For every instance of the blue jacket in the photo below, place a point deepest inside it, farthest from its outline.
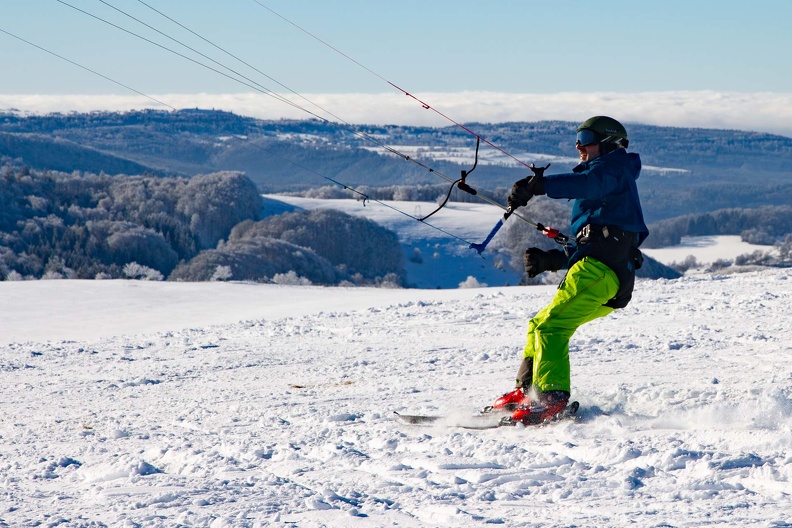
(605, 192)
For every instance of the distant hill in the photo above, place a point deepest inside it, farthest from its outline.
(686, 170)
(65, 155)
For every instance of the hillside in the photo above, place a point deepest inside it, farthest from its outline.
(685, 170)
(146, 404)
(65, 155)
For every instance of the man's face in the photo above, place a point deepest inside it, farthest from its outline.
(588, 152)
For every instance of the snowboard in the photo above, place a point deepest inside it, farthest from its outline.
(485, 419)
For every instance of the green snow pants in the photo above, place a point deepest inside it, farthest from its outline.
(588, 285)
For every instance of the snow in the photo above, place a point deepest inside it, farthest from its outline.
(221, 405)
(133, 403)
(77, 309)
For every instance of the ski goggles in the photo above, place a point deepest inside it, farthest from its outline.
(586, 137)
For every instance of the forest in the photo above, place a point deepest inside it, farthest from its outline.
(208, 227)
(766, 225)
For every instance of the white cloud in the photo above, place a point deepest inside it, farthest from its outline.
(761, 111)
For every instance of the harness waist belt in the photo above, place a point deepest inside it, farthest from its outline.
(595, 231)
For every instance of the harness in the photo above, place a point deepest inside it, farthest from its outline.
(617, 249)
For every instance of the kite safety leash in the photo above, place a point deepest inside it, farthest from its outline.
(459, 183)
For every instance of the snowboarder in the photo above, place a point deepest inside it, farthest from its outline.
(609, 226)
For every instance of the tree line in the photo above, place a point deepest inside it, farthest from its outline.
(766, 225)
(323, 246)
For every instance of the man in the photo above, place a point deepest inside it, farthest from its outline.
(609, 226)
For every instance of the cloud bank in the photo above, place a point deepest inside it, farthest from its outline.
(759, 111)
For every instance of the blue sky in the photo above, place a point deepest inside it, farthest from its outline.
(564, 50)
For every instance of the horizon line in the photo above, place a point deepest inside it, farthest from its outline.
(768, 112)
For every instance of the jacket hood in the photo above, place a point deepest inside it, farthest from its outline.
(634, 161)
(631, 161)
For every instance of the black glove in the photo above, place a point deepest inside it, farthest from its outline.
(537, 261)
(525, 189)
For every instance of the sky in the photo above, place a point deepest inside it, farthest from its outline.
(707, 63)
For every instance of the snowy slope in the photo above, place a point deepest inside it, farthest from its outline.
(285, 418)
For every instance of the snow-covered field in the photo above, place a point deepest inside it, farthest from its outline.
(153, 408)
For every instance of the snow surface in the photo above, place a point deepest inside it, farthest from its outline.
(153, 408)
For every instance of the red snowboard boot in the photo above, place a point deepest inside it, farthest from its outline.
(548, 407)
(511, 400)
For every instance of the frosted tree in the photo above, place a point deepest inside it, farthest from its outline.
(214, 203)
(290, 278)
(133, 270)
(222, 273)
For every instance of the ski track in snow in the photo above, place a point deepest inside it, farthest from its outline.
(686, 417)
